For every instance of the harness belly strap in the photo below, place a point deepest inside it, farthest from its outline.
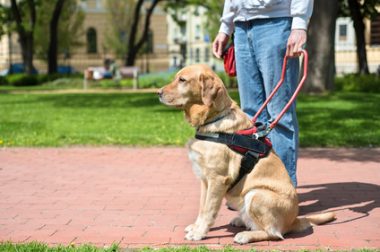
(247, 164)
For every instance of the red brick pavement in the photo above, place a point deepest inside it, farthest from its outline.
(145, 197)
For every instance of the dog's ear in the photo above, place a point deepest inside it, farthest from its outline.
(209, 90)
(213, 91)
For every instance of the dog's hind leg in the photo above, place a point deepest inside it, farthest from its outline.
(253, 236)
(237, 222)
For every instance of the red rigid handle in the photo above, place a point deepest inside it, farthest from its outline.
(302, 81)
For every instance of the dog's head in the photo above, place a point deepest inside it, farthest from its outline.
(198, 91)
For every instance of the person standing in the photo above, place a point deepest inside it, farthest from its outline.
(264, 32)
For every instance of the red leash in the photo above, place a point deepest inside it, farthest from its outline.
(302, 81)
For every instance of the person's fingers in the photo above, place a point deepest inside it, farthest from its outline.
(219, 44)
(215, 49)
(218, 51)
(296, 41)
(290, 48)
(296, 48)
(299, 46)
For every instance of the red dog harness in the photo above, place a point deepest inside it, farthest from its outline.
(244, 142)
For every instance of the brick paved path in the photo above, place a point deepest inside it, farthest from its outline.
(145, 197)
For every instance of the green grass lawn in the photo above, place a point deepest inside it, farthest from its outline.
(40, 247)
(341, 119)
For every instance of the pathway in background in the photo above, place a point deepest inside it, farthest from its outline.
(146, 196)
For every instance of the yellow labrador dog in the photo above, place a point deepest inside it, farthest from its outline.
(265, 198)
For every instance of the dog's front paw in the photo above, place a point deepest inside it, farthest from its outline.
(237, 222)
(242, 238)
(194, 236)
(190, 228)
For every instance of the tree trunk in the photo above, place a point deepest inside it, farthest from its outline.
(131, 54)
(361, 51)
(321, 48)
(26, 39)
(53, 44)
(29, 67)
(133, 47)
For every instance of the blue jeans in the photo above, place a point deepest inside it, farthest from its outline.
(260, 47)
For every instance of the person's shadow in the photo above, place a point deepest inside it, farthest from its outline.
(358, 197)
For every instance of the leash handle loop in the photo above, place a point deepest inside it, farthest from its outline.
(281, 81)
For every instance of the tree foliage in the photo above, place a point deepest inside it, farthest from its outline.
(70, 28)
(367, 8)
(119, 19)
(5, 20)
(214, 11)
(31, 19)
(141, 17)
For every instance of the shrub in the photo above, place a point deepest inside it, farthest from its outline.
(66, 83)
(19, 80)
(44, 78)
(22, 80)
(3, 80)
(358, 83)
(155, 80)
(126, 83)
(228, 81)
(109, 83)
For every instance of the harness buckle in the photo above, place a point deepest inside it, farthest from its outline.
(262, 133)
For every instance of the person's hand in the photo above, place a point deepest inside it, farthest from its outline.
(296, 41)
(219, 44)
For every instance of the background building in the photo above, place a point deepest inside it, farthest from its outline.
(188, 39)
(93, 50)
(345, 45)
(177, 42)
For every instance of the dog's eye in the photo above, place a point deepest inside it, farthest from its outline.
(181, 79)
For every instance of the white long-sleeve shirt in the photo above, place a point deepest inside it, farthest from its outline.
(244, 10)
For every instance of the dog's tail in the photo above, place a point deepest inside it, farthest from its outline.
(302, 223)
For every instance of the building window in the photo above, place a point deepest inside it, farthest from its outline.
(197, 55)
(375, 31)
(207, 54)
(83, 4)
(197, 32)
(92, 46)
(99, 4)
(342, 32)
(183, 29)
(196, 11)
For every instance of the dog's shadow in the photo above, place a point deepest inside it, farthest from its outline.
(360, 198)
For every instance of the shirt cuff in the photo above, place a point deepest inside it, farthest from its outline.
(299, 23)
(226, 29)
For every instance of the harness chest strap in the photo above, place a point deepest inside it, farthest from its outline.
(253, 149)
(243, 141)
